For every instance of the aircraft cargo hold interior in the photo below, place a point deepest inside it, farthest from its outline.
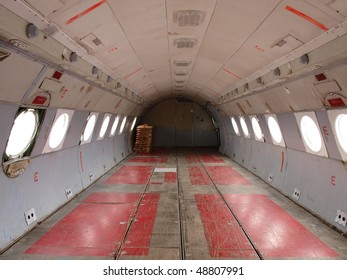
(173, 130)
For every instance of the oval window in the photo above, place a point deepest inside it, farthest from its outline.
(88, 131)
(256, 128)
(310, 133)
(235, 126)
(58, 131)
(244, 126)
(274, 130)
(123, 125)
(114, 126)
(104, 126)
(22, 133)
(341, 130)
(133, 125)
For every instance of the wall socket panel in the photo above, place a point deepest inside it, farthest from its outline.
(30, 216)
(296, 194)
(68, 193)
(341, 218)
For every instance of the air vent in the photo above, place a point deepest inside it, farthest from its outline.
(189, 17)
(179, 81)
(181, 73)
(185, 43)
(182, 63)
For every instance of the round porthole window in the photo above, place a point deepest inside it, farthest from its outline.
(88, 131)
(22, 133)
(256, 128)
(133, 125)
(244, 126)
(104, 126)
(310, 133)
(122, 125)
(58, 131)
(114, 126)
(235, 126)
(341, 130)
(274, 130)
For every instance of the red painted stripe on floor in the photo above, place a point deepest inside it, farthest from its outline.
(170, 177)
(139, 237)
(225, 175)
(85, 12)
(275, 233)
(210, 159)
(91, 229)
(130, 175)
(192, 159)
(198, 176)
(163, 159)
(224, 236)
(307, 17)
(109, 197)
(143, 159)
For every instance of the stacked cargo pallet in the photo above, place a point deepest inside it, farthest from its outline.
(144, 139)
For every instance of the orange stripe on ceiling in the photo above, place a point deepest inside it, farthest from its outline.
(133, 73)
(85, 12)
(306, 17)
(231, 73)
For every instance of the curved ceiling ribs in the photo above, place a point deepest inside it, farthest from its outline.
(200, 49)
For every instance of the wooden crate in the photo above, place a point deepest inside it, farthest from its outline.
(144, 139)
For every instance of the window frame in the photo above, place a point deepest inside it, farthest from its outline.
(274, 141)
(254, 117)
(312, 115)
(83, 141)
(235, 124)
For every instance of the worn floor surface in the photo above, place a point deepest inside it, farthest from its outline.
(180, 204)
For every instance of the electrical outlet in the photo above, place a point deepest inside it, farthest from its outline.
(68, 193)
(270, 178)
(296, 194)
(30, 216)
(341, 218)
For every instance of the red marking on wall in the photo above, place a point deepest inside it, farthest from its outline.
(63, 92)
(198, 176)
(87, 11)
(36, 176)
(39, 100)
(130, 175)
(223, 234)
(111, 50)
(282, 161)
(170, 177)
(336, 102)
(325, 131)
(307, 18)
(57, 75)
(91, 229)
(133, 73)
(81, 161)
(138, 239)
(333, 180)
(231, 73)
(258, 48)
(275, 233)
(225, 175)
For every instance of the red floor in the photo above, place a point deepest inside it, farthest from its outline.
(137, 215)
